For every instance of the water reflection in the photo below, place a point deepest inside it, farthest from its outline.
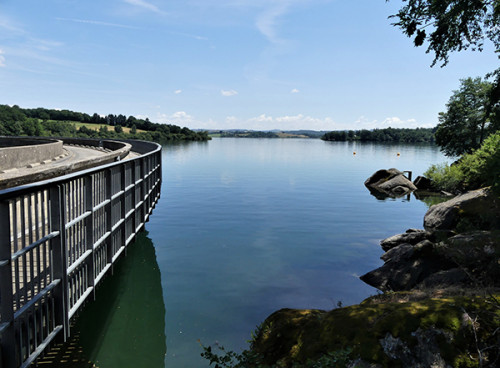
(125, 325)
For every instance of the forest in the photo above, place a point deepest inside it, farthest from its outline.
(417, 135)
(16, 121)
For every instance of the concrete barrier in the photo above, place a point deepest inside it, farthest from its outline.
(112, 151)
(18, 152)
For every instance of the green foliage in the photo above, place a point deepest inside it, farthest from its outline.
(480, 168)
(465, 123)
(226, 359)
(418, 135)
(445, 177)
(450, 26)
(338, 359)
(15, 121)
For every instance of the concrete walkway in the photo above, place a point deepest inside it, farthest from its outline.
(73, 158)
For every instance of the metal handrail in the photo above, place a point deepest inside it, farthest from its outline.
(59, 237)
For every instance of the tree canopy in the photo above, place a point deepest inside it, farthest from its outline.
(405, 135)
(61, 123)
(450, 25)
(447, 26)
(467, 122)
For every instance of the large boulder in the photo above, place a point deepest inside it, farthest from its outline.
(417, 333)
(477, 209)
(391, 182)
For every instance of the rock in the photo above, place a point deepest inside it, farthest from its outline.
(422, 183)
(420, 333)
(390, 182)
(400, 251)
(477, 253)
(397, 181)
(425, 353)
(478, 209)
(382, 176)
(449, 278)
(406, 266)
(411, 236)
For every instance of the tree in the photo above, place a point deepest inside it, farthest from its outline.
(454, 25)
(450, 25)
(465, 124)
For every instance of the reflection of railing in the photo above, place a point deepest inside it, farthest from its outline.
(58, 239)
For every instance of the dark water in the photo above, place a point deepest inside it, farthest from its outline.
(245, 227)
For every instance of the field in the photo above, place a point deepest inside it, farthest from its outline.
(98, 126)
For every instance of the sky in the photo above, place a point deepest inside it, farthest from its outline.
(227, 64)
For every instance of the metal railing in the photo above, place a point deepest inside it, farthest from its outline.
(58, 238)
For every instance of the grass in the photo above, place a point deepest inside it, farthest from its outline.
(98, 126)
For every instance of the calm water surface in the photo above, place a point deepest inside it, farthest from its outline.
(245, 227)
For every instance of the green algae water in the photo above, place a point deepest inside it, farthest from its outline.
(245, 227)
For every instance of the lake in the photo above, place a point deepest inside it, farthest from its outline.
(245, 227)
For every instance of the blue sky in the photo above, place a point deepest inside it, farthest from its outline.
(221, 64)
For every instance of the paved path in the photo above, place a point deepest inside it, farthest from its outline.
(73, 156)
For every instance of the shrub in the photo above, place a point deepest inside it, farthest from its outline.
(480, 168)
(445, 177)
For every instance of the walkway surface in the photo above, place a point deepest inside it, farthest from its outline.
(72, 157)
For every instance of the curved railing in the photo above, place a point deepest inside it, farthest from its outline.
(58, 238)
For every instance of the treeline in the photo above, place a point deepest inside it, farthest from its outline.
(17, 121)
(418, 135)
(247, 134)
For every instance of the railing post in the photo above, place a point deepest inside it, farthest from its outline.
(109, 218)
(133, 180)
(89, 231)
(59, 257)
(144, 191)
(123, 207)
(7, 337)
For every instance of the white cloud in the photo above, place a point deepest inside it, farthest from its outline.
(390, 122)
(228, 93)
(295, 90)
(178, 91)
(145, 5)
(2, 58)
(266, 21)
(181, 115)
(286, 122)
(397, 122)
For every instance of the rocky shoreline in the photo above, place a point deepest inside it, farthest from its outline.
(440, 305)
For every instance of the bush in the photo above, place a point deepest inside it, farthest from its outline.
(445, 177)
(480, 168)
